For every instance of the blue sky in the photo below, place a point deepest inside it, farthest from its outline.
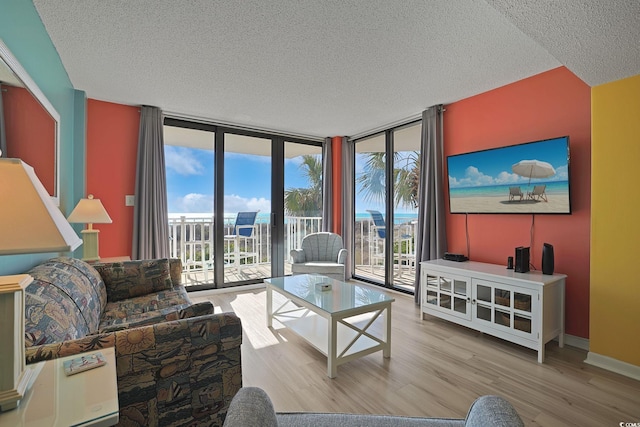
(493, 167)
(247, 180)
(190, 178)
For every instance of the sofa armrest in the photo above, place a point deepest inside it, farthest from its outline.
(494, 411)
(38, 353)
(297, 255)
(251, 407)
(342, 256)
(175, 270)
(185, 371)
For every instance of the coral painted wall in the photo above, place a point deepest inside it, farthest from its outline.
(615, 230)
(112, 149)
(550, 104)
(336, 163)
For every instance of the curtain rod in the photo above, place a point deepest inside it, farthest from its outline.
(180, 116)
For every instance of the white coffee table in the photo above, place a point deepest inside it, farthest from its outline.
(344, 323)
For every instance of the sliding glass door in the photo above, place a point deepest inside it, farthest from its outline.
(247, 208)
(387, 168)
(239, 201)
(406, 170)
(189, 162)
(302, 194)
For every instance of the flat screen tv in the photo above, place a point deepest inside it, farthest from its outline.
(529, 178)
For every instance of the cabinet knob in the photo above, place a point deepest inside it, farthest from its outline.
(473, 301)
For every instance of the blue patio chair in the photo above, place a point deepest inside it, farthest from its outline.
(378, 224)
(376, 247)
(244, 240)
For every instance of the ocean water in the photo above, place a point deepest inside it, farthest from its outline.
(398, 218)
(265, 218)
(553, 187)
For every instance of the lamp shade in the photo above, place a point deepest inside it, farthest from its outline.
(90, 211)
(29, 220)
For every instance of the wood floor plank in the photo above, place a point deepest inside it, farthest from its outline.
(436, 369)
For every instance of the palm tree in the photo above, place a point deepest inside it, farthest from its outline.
(306, 201)
(406, 177)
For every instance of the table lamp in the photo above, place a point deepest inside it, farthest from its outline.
(29, 223)
(90, 211)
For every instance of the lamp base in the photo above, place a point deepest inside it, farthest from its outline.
(15, 376)
(90, 245)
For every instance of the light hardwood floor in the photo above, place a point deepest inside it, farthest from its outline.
(436, 369)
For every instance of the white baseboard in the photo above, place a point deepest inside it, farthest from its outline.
(577, 342)
(614, 365)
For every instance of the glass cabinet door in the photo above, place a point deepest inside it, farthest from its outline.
(450, 294)
(506, 308)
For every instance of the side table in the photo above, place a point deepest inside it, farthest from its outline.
(88, 398)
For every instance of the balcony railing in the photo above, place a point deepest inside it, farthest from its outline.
(191, 240)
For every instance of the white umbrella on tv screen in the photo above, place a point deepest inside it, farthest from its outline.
(533, 169)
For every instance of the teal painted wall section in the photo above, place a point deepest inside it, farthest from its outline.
(79, 154)
(22, 30)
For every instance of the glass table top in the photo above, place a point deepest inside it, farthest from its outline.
(342, 296)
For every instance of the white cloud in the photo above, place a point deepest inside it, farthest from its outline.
(473, 177)
(182, 161)
(235, 203)
(194, 203)
(562, 174)
(203, 204)
(508, 178)
(294, 161)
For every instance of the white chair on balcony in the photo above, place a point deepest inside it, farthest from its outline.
(321, 253)
(244, 241)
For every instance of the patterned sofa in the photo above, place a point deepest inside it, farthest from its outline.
(177, 362)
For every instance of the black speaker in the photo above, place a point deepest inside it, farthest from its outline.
(547, 259)
(522, 260)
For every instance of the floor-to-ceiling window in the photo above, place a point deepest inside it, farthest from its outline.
(247, 207)
(302, 194)
(239, 201)
(386, 206)
(189, 162)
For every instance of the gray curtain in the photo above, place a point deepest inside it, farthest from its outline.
(432, 238)
(327, 186)
(3, 136)
(150, 217)
(348, 188)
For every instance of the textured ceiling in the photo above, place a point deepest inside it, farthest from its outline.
(323, 68)
(598, 40)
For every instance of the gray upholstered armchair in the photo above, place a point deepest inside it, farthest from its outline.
(321, 253)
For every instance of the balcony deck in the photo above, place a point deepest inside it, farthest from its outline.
(191, 241)
(404, 280)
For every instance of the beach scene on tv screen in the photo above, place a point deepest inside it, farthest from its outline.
(525, 178)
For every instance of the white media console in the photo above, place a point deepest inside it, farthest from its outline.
(524, 308)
